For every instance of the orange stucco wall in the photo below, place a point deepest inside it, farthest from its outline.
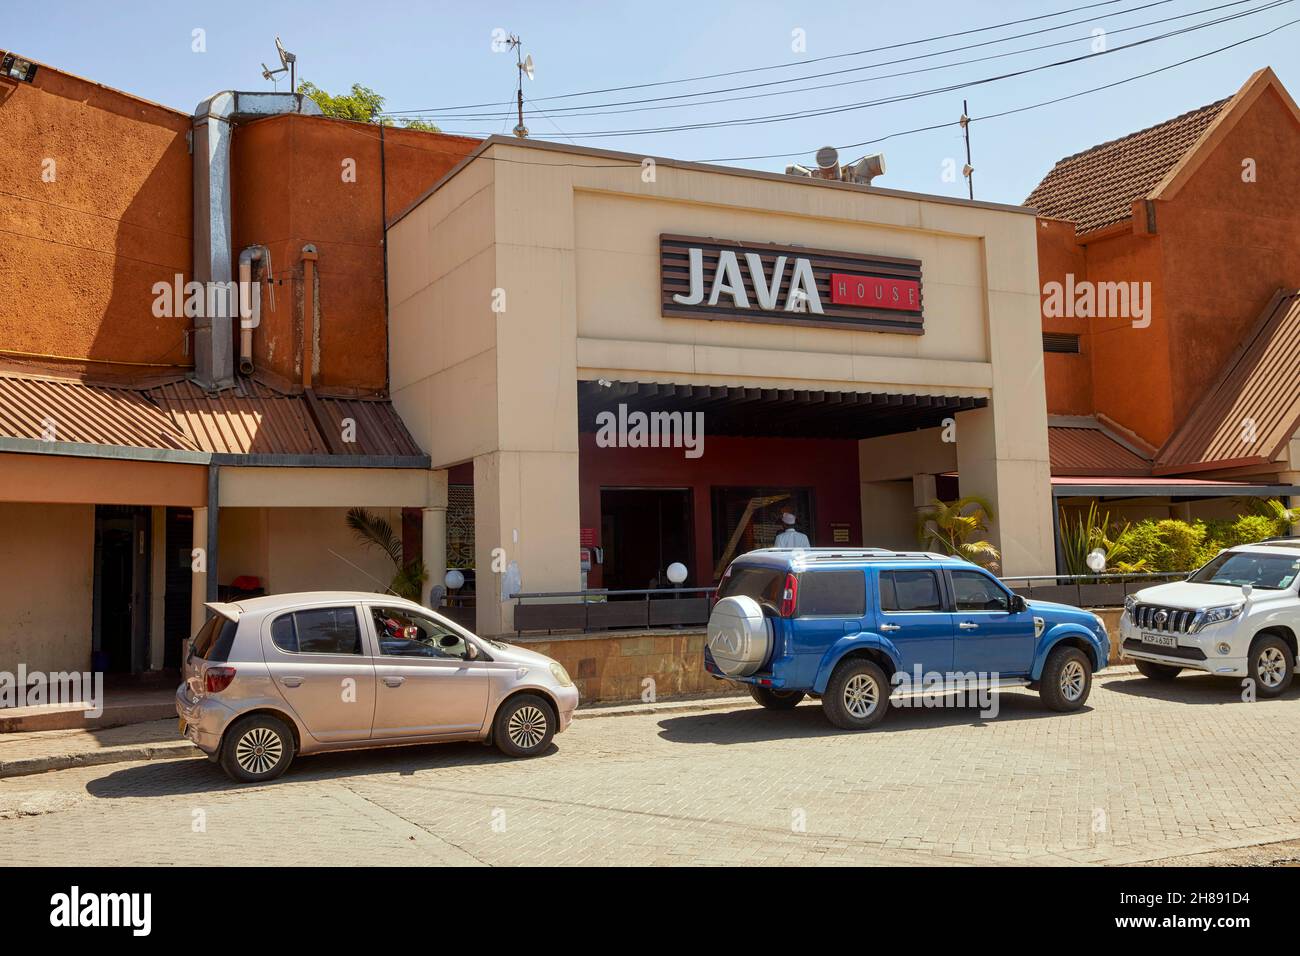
(1237, 244)
(83, 242)
(1069, 377)
(302, 179)
(1221, 248)
(95, 195)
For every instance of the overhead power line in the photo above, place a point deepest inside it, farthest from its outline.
(898, 134)
(1019, 109)
(780, 66)
(919, 94)
(598, 109)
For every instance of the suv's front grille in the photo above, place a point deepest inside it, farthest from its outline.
(1153, 617)
(1190, 653)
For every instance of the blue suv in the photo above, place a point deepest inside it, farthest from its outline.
(849, 626)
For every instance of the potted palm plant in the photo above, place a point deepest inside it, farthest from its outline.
(955, 527)
(373, 531)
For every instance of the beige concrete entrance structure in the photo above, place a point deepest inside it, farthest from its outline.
(534, 266)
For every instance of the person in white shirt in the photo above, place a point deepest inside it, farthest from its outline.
(790, 537)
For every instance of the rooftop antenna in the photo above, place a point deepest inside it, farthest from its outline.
(287, 65)
(525, 65)
(967, 170)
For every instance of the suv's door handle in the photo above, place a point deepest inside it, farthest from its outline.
(968, 626)
(394, 681)
(291, 681)
(891, 627)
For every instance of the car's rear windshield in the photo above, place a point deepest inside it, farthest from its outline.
(1271, 572)
(214, 639)
(762, 584)
(832, 594)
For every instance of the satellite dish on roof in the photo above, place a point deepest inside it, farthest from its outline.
(285, 56)
(528, 66)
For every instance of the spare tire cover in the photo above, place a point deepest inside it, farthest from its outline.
(739, 636)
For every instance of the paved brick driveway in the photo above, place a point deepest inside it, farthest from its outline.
(1148, 771)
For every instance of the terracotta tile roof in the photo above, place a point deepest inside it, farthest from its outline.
(1084, 447)
(249, 419)
(1097, 187)
(1253, 410)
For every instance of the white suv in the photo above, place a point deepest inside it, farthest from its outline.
(1237, 616)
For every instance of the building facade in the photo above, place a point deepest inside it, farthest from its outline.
(1170, 270)
(153, 456)
(840, 350)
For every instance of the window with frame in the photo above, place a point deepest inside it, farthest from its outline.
(973, 591)
(763, 584)
(910, 591)
(832, 594)
(404, 633)
(326, 630)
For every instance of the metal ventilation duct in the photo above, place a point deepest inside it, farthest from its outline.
(214, 121)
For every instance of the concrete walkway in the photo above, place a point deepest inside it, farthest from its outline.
(22, 754)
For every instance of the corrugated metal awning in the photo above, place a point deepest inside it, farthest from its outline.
(251, 418)
(1252, 411)
(1084, 446)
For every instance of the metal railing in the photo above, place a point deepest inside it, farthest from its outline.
(1088, 590)
(591, 609)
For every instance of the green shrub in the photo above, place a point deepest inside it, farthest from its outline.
(1248, 529)
(1141, 544)
(1172, 545)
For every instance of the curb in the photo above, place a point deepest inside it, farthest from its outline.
(183, 749)
(661, 707)
(26, 766)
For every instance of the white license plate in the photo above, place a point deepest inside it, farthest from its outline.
(1160, 640)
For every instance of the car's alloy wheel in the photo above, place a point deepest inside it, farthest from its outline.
(1073, 680)
(861, 695)
(857, 694)
(1271, 667)
(527, 727)
(258, 750)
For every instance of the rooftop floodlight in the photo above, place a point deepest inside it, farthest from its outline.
(15, 67)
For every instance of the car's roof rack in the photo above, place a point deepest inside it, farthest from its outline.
(1286, 541)
(855, 554)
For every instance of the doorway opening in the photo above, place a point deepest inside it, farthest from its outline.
(643, 530)
(123, 546)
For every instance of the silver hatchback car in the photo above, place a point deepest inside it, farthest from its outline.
(268, 678)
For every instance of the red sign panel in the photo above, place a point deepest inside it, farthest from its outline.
(874, 292)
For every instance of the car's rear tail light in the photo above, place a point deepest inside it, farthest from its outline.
(789, 596)
(717, 592)
(217, 679)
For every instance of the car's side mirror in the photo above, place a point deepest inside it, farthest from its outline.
(1018, 603)
(471, 652)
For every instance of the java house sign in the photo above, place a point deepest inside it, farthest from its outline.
(790, 285)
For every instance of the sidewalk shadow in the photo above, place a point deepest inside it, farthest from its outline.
(1192, 688)
(751, 725)
(169, 778)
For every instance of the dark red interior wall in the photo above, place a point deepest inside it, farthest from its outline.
(829, 467)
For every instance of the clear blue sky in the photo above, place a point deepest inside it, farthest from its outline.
(422, 55)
